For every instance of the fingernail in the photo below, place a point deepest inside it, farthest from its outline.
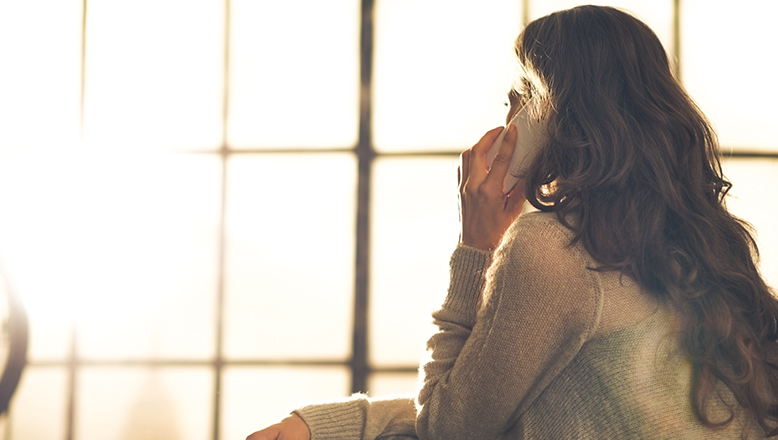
(512, 129)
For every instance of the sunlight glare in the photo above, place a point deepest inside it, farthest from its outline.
(729, 67)
(118, 242)
(40, 82)
(154, 74)
(304, 92)
(441, 74)
(290, 255)
(752, 180)
(415, 228)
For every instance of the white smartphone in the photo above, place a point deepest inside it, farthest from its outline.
(523, 151)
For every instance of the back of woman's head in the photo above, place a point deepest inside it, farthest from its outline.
(611, 108)
(632, 166)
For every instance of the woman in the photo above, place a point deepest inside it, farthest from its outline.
(630, 306)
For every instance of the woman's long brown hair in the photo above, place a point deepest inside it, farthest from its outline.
(633, 160)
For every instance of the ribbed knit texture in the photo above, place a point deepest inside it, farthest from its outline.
(359, 417)
(534, 345)
(468, 276)
(338, 420)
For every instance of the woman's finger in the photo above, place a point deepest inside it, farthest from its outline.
(487, 140)
(502, 160)
(516, 198)
(269, 433)
(464, 168)
(478, 154)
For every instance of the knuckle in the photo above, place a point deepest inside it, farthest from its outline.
(490, 193)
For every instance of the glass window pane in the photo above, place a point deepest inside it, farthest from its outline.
(751, 180)
(442, 70)
(415, 229)
(40, 232)
(657, 14)
(290, 255)
(144, 403)
(386, 384)
(149, 257)
(728, 68)
(154, 73)
(294, 73)
(254, 398)
(126, 243)
(40, 83)
(40, 396)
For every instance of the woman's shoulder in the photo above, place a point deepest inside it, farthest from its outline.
(538, 231)
(540, 220)
(544, 245)
(538, 251)
(538, 276)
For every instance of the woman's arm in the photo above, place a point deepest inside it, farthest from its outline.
(355, 418)
(360, 418)
(541, 304)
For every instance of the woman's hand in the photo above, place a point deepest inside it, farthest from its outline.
(291, 428)
(486, 212)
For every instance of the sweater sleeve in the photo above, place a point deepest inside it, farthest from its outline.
(487, 366)
(360, 418)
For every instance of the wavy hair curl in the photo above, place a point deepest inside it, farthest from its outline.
(629, 155)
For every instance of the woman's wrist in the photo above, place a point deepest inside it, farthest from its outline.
(468, 267)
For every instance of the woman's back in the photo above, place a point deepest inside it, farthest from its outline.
(630, 378)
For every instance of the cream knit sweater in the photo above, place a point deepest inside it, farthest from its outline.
(534, 345)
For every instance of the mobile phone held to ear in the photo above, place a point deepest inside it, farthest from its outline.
(523, 151)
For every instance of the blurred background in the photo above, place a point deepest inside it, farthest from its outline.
(217, 210)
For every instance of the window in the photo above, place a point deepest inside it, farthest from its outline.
(215, 210)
